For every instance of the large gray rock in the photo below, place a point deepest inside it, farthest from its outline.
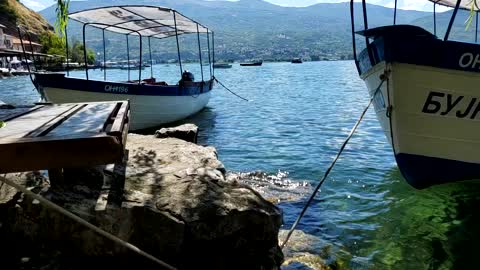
(186, 132)
(176, 205)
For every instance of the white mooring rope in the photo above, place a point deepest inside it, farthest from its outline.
(86, 223)
(383, 77)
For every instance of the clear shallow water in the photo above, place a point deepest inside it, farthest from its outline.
(366, 216)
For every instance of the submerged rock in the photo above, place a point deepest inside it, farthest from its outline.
(176, 205)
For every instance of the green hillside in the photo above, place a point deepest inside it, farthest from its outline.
(253, 28)
(13, 13)
(249, 29)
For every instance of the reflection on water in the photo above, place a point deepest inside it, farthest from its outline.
(366, 216)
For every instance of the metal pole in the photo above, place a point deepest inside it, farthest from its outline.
(450, 24)
(31, 48)
(151, 62)
(178, 45)
(104, 57)
(353, 35)
(200, 52)
(213, 52)
(128, 58)
(85, 51)
(25, 54)
(365, 24)
(141, 63)
(434, 19)
(476, 26)
(209, 59)
(395, 13)
(66, 44)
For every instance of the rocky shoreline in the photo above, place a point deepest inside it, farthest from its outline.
(175, 203)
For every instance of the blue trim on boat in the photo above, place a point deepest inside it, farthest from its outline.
(422, 171)
(59, 80)
(414, 45)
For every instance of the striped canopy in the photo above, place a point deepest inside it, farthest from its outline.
(147, 21)
(464, 4)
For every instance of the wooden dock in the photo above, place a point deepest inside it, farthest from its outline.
(53, 137)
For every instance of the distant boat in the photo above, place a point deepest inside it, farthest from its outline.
(256, 63)
(136, 67)
(222, 65)
(296, 60)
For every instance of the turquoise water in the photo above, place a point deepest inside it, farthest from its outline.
(366, 216)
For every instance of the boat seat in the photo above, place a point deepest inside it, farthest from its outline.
(149, 81)
(159, 83)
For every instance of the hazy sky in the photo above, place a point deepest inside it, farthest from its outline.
(404, 4)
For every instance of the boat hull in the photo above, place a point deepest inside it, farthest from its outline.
(147, 110)
(431, 117)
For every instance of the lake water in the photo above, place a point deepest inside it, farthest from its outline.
(366, 216)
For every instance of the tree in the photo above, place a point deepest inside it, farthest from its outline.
(52, 43)
(76, 53)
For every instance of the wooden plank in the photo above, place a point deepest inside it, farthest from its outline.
(50, 125)
(22, 125)
(34, 154)
(120, 118)
(88, 120)
(9, 114)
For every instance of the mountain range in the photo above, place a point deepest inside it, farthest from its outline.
(248, 29)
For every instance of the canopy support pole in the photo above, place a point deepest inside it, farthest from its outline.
(352, 15)
(128, 58)
(178, 44)
(213, 52)
(141, 62)
(395, 14)
(104, 57)
(85, 51)
(450, 24)
(434, 18)
(200, 52)
(151, 61)
(476, 26)
(66, 50)
(209, 59)
(365, 24)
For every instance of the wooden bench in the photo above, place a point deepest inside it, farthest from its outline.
(54, 137)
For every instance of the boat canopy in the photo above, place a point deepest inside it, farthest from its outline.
(464, 4)
(146, 21)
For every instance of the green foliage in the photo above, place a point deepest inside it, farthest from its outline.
(77, 55)
(8, 11)
(52, 44)
(62, 17)
(471, 15)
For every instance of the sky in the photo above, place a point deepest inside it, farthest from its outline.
(403, 4)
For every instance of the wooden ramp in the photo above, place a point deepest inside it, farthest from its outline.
(60, 136)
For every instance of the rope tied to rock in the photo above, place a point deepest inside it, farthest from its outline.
(383, 78)
(87, 224)
(226, 88)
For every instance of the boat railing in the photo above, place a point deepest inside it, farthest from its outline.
(365, 24)
(130, 31)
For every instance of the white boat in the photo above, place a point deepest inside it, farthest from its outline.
(152, 102)
(426, 96)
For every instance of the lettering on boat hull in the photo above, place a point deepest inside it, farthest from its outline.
(447, 104)
(116, 88)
